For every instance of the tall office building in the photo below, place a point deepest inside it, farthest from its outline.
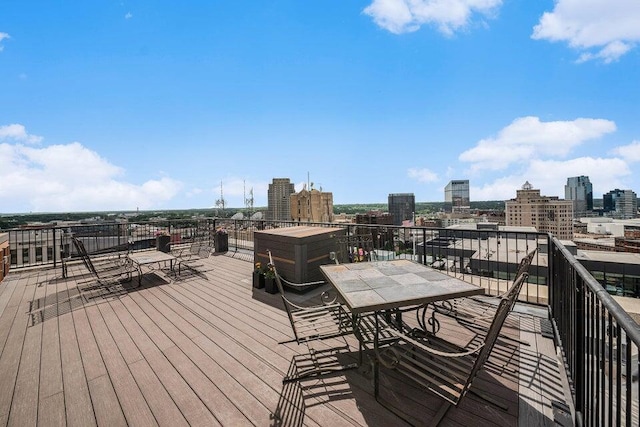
(279, 199)
(546, 214)
(312, 206)
(580, 191)
(620, 204)
(456, 196)
(401, 207)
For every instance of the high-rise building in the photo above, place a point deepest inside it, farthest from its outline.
(620, 204)
(546, 214)
(312, 206)
(456, 196)
(402, 207)
(580, 191)
(279, 199)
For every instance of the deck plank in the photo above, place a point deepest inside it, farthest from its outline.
(230, 391)
(134, 406)
(12, 354)
(170, 382)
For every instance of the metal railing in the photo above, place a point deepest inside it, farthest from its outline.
(599, 341)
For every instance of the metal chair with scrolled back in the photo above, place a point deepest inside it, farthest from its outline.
(354, 248)
(330, 319)
(192, 255)
(443, 368)
(479, 312)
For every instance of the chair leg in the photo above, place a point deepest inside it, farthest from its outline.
(440, 414)
(317, 369)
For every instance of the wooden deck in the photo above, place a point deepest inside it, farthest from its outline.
(204, 350)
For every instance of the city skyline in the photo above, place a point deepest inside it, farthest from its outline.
(119, 106)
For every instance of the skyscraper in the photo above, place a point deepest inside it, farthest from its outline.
(621, 204)
(401, 207)
(456, 196)
(546, 214)
(279, 199)
(580, 191)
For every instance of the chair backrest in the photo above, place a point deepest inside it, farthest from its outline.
(82, 251)
(287, 303)
(504, 308)
(356, 248)
(523, 268)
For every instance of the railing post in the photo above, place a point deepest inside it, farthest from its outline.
(579, 338)
(55, 258)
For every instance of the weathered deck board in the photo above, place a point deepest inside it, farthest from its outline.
(204, 350)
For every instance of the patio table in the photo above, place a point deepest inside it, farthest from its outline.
(149, 258)
(390, 286)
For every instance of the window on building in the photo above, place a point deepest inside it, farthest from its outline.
(25, 256)
(49, 253)
(14, 257)
(39, 254)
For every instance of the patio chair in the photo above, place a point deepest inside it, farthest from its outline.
(356, 248)
(191, 255)
(477, 312)
(441, 367)
(110, 272)
(330, 319)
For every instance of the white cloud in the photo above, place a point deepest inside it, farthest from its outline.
(71, 177)
(402, 16)
(550, 176)
(18, 133)
(2, 37)
(528, 138)
(128, 15)
(422, 175)
(630, 153)
(603, 30)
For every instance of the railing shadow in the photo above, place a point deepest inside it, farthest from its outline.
(76, 297)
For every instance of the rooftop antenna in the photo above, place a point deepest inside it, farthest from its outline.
(221, 202)
(248, 202)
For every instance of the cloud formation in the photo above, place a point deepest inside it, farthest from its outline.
(603, 30)
(630, 153)
(2, 37)
(70, 177)
(403, 16)
(18, 133)
(422, 175)
(550, 176)
(128, 15)
(529, 138)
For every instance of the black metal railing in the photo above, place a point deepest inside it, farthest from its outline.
(599, 341)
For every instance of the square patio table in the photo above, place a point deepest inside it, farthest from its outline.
(386, 285)
(149, 258)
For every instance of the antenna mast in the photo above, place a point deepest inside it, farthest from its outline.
(221, 202)
(248, 202)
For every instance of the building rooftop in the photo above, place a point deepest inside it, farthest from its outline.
(205, 349)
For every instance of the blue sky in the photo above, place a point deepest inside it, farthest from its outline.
(109, 105)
